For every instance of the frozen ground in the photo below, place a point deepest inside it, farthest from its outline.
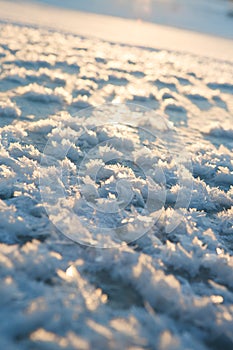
(114, 29)
(163, 291)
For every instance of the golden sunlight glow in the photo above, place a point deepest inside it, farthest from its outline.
(217, 299)
(71, 272)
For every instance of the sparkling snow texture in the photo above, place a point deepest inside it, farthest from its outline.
(166, 290)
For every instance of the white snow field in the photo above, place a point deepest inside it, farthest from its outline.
(205, 16)
(169, 289)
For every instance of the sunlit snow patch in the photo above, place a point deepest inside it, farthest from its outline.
(105, 173)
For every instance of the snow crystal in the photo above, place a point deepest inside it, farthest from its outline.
(104, 176)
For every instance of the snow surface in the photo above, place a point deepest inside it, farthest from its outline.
(120, 30)
(166, 290)
(211, 17)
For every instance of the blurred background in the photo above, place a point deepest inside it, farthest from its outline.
(207, 16)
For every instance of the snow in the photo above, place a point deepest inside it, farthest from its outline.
(159, 131)
(211, 17)
(114, 29)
